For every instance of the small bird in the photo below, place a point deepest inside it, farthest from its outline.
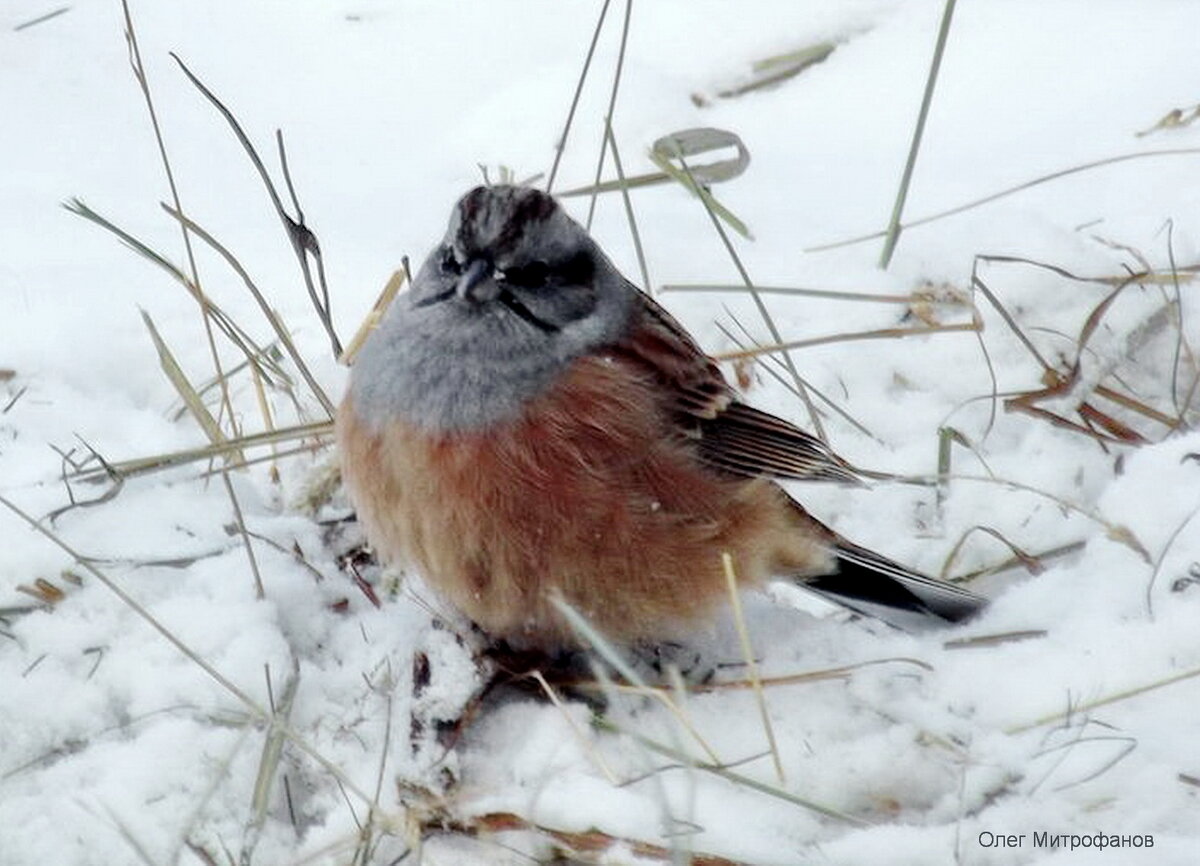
(526, 421)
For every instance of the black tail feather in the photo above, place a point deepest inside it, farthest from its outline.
(866, 580)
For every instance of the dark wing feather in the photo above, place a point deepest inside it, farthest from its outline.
(736, 438)
(746, 440)
(731, 436)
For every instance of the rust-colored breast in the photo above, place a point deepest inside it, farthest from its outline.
(590, 492)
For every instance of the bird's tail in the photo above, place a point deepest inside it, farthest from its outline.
(866, 582)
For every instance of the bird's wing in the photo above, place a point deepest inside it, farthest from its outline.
(730, 435)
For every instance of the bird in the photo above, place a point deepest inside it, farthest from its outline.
(526, 424)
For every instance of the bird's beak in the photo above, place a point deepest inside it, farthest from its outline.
(475, 283)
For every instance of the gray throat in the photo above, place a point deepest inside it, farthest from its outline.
(446, 368)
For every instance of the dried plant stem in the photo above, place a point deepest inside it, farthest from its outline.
(612, 106)
(581, 738)
(779, 376)
(1021, 187)
(731, 776)
(254, 354)
(1012, 562)
(739, 619)
(1029, 561)
(139, 72)
(1115, 532)
(1104, 701)
(205, 315)
(799, 292)
(583, 73)
(303, 241)
(894, 226)
(813, 416)
(158, 462)
(633, 229)
(1158, 561)
(610, 654)
(285, 339)
(373, 318)
(881, 334)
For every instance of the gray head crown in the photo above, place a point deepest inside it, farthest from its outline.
(514, 293)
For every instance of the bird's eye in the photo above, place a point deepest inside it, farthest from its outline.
(578, 270)
(534, 275)
(449, 263)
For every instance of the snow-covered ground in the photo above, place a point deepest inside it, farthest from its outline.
(116, 747)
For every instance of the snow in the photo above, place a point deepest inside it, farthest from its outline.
(117, 748)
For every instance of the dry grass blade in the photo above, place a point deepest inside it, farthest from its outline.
(739, 619)
(260, 381)
(584, 744)
(612, 107)
(1145, 276)
(159, 462)
(1176, 118)
(373, 318)
(947, 437)
(991, 640)
(78, 207)
(366, 836)
(881, 334)
(731, 776)
(194, 285)
(575, 847)
(13, 402)
(778, 376)
(256, 355)
(1139, 407)
(561, 146)
(104, 471)
(1114, 531)
(196, 405)
(894, 225)
(978, 284)
(1158, 562)
(633, 229)
(1114, 431)
(604, 648)
(1012, 562)
(771, 71)
(304, 242)
(813, 416)
(1104, 701)
(1182, 346)
(41, 19)
(1031, 563)
(839, 673)
(797, 292)
(239, 521)
(184, 388)
(1004, 193)
(281, 332)
(694, 141)
(268, 764)
(662, 154)
(1059, 383)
